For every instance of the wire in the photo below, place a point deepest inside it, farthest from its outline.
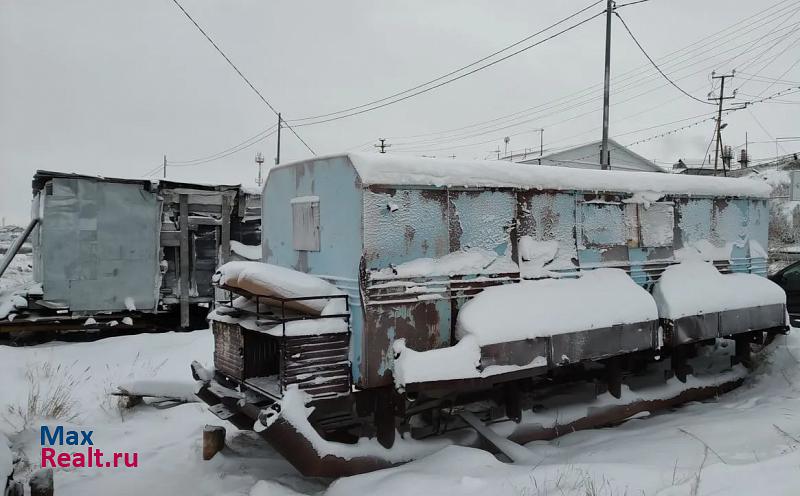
(437, 136)
(240, 73)
(180, 162)
(153, 171)
(656, 65)
(631, 3)
(456, 71)
(218, 156)
(473, 71)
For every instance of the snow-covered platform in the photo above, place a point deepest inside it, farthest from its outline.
(537, 325)
(696, 302)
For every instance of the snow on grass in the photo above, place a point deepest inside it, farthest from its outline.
(168, 442)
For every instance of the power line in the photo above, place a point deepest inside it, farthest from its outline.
(448, 81)
(653, 62)
(218, 156)
(261, 136)
(437, 137)
(456, 71)
(257, 92)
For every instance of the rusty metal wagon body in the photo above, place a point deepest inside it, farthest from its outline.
(411, 241)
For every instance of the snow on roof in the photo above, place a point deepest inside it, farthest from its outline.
(396, 170)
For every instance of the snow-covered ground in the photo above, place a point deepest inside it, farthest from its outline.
(746, 442)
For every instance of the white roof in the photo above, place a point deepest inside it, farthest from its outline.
(398, 170)
(587, 156)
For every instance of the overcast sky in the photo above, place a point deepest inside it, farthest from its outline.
(102, 87)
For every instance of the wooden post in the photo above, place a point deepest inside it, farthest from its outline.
(41, 482)
(213, 440)
(225, 245)
(184, 260)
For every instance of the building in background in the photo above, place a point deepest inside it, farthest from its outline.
(588, 157)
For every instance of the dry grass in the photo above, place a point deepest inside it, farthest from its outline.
(49, 396)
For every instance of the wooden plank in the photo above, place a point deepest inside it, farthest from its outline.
(184, 260)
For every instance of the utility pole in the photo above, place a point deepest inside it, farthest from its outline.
(260, 162)
(278, 153)
(720, 99)
(383, 145)
(604, 155)
(165, 167)
(541, 142)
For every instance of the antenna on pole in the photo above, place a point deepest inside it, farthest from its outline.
(383, 145)
(278, 152)
(260, 162)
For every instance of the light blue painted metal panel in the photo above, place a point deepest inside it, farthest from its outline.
(482, 219)
(404, 224)
(336, 184)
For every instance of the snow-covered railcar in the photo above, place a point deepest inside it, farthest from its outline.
(473, 281)
(127, 253)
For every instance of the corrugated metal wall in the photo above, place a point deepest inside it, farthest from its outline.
(98, 244)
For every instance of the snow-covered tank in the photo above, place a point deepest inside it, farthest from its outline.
(464, 277)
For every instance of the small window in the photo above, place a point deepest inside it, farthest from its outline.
(305, 223)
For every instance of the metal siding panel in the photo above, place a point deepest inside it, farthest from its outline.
(482, 219)
(546, 216)
(602, 225)
(402, 225)
(99, 245)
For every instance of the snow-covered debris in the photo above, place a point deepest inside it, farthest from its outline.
(460, 361)
(385, 169)
(127, 321)
(11, 303)
(272, 280)
(182, 390)
(249, 252)
(696, 287)
(130, 305)
(462, 262)
(293, 409)
(530, 309)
